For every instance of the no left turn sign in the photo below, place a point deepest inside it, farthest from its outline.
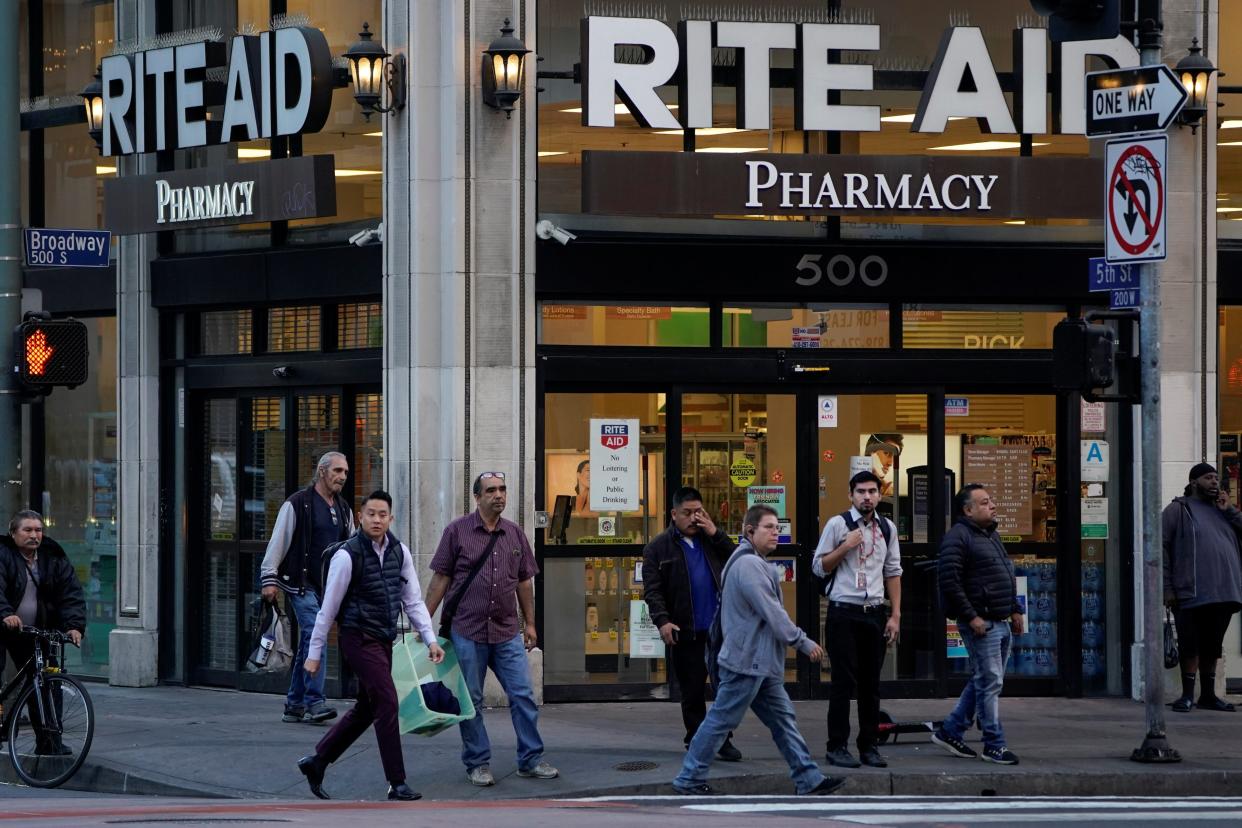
(1135, 216)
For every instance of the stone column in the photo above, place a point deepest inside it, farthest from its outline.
(133, 644)
(458, 272)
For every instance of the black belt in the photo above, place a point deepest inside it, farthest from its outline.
(863, 608)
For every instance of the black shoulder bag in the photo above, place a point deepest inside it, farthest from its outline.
(450, 606)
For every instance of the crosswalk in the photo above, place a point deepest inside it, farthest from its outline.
(912, 810)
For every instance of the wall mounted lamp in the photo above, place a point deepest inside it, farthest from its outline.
(372, 68)
(504, 70)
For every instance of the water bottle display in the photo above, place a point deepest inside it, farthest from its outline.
(1092, 662)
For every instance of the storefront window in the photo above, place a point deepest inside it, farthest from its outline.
(293, 329)
(572, 323)
(806, 326)
(986, 329)
(226, 332)
(1228, 137)
(909, 35)
(1229, 383)
(359, 325)
(80, 499)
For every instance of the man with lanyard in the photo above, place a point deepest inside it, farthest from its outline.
(38, 588)
(483, 568)
(371, 581)
(681, 581)
(308, 522)
(858, 553)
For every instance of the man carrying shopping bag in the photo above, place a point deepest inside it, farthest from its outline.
(370, 580)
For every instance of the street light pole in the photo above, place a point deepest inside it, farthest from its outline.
(10, 265)
(1155, 746)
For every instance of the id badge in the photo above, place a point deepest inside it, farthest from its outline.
(862, 579)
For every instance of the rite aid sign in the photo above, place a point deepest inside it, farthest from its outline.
(961, 83)
(278, 83)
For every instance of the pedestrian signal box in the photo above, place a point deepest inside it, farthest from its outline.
(48, 353)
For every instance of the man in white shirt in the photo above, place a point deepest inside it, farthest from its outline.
(371, 579)
(858, 554)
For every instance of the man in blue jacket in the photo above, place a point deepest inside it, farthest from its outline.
(978, 588)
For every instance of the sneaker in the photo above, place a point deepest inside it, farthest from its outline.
(701, 789)
(541, 771)
(728, 752)
(293, 715)
(319, 713)
(842, 759)
(829, 785)
(955, 746)
(999, 755)
(481, 776)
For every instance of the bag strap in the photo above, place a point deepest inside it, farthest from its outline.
(451, 605)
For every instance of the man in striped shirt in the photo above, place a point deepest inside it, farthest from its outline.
(483, 568)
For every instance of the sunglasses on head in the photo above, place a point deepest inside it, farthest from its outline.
(498, 475)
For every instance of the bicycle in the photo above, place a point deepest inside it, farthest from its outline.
(50, 727)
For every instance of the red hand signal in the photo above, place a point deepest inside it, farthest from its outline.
(38, 353)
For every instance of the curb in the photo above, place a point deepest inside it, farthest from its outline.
(1169, 783)
(96, 777)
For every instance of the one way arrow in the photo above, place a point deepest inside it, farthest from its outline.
(1145, 98)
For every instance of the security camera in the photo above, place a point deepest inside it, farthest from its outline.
(371, 235)
(547, 230)
(282, 372)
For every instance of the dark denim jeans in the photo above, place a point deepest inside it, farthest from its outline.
(988, 654)
(508, 662)
(305, 690)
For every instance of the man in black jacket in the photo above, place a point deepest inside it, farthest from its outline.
(681, 584)
(38, 588)
(978, 588)
(308, 522)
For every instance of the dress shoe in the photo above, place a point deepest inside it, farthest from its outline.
(699, 789)
(729, 753)
(829, 785)
(1215, 703)
(872, 758)
(842, 759)
(313, 771)
(403, 793)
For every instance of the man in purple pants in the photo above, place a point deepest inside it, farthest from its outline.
(371, 579)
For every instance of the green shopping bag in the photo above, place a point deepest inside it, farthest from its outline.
(411, 668)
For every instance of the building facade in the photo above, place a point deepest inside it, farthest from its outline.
(796, 288)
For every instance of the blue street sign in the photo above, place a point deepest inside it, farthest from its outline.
(1124, 298)
(1101, 276)
(66, 248)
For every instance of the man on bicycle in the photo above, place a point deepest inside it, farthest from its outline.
(38, 588)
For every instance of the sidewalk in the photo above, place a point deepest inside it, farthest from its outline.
(171, 740)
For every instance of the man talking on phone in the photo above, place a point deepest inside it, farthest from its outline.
(681, 584)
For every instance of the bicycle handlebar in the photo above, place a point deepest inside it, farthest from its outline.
(49, 635)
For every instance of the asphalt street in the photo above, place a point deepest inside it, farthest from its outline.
(59, 808)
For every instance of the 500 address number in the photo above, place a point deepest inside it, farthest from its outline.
(841, 270)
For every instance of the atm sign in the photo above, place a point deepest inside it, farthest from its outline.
(614, 436)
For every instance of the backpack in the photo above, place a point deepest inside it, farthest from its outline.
(715, 633)
(355, 555)
(823, 585)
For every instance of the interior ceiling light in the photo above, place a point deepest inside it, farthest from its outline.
(550, 153)
(704, 131)
(354, 173)
(1231, 123)
(104, 170)
(731, 149)
(253, 152)
(1229, 209)
(985, 146)
(908, 118)
(374, 134)
(620, 109)
(1229, 143)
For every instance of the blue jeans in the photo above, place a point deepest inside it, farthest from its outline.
(508, 661)
(988, 654)
(767, 697)
(305, 690)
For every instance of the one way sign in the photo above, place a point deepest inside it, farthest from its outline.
(1143, 99)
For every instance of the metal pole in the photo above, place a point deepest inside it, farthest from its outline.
(10, 266)
(1155, 747)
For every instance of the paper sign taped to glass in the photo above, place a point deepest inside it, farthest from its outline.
(645, 641)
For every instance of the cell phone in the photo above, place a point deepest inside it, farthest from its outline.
(675, 636)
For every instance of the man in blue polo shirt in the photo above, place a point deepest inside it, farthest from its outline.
(681, 584)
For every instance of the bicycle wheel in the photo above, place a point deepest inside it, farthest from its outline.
(47, 749)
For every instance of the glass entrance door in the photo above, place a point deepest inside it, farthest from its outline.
(254, 451)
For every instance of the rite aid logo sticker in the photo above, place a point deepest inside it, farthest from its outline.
(614, 436)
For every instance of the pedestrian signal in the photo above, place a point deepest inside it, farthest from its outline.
(48, 353)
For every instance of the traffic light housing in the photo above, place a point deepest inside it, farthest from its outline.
(49, 353)
(1084, 356)
(1080, 19)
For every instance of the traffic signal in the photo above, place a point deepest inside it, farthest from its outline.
(48, 353)
(1080, 19)
(1084, 356)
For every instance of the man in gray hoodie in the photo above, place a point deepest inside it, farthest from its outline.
(1202, 581)
(751, 663)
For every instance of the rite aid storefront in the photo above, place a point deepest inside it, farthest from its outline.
(851, 263)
